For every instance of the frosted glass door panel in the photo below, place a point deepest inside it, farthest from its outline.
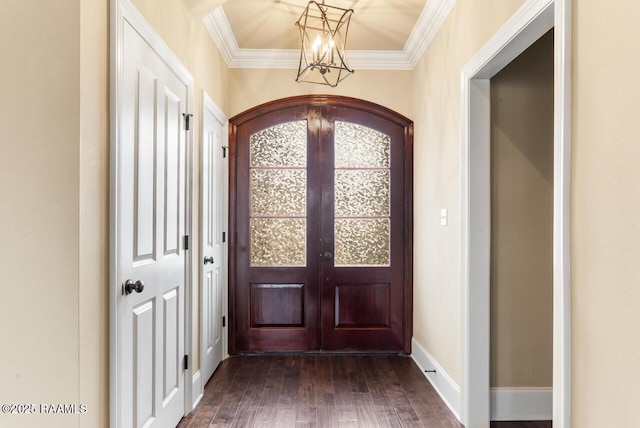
(278, 192)
(278, 195)
(362, 194)
(283, 145)
(357, 146)
(278, 241)
(362, 242)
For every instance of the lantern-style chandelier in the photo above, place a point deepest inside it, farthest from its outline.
(323, 35)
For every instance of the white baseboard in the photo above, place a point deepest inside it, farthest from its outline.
(197, 388)
(443, 384)
(521, 404)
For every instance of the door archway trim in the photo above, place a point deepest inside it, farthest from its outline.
(319, 101)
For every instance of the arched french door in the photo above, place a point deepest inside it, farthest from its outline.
(321, 206)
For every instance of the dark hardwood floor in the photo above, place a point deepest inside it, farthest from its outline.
(329, 391)
(319, 391)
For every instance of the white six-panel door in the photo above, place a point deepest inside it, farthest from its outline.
(213, 219)
(151, 224)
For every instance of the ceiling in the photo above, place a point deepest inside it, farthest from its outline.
(383, 34)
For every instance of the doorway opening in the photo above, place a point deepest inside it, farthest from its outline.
(528, 24)
(321, 204)
(522, 236)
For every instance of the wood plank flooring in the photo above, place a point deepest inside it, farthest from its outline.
(282, 391)
(330, 391)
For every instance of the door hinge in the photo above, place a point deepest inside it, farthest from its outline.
(187, 120)
(224, 151)
(185, 362)
(224, 236)
(224, 321)
(186, 242)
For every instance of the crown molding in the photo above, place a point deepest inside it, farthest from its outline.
(428, 24)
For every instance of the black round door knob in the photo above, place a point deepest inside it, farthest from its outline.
(130, 286)
(208, 260)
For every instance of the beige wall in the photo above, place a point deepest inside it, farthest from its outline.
(436, 113)
(39, 208)
(94, 213)
(522, 220)
(605, 219)
(252, 87)
(189, 40)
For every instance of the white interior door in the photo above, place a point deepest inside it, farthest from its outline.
(213, 266)
(151, 223)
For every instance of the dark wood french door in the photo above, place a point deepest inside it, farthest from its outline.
(321, 208)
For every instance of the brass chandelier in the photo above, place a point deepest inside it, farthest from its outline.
(323, 36)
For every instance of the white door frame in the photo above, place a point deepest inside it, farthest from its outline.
(530, 22)
(121, 11)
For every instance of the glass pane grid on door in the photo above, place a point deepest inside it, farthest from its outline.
(278, 195)
(362, 194)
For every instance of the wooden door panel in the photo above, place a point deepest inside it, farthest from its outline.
(362, 316)
(277, 305)
(359, 306)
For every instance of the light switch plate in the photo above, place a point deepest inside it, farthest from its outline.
(444, 217)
